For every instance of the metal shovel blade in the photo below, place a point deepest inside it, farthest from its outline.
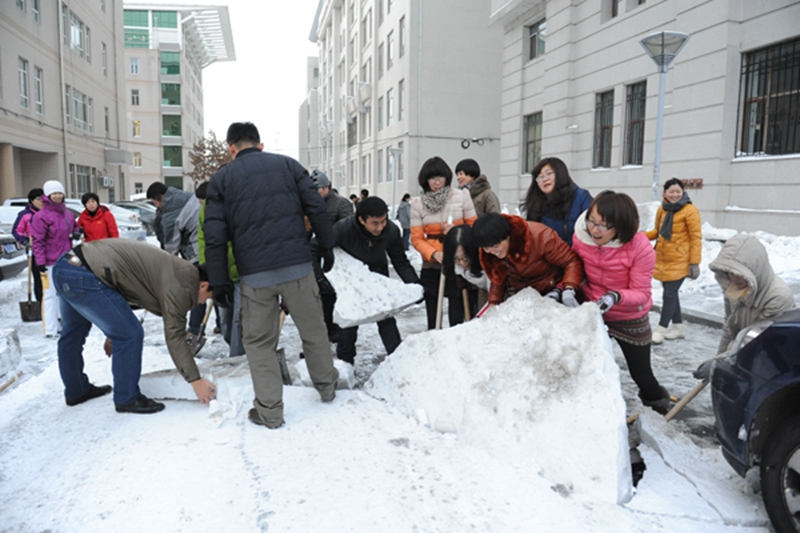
(30, 311)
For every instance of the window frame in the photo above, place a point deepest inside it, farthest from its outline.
(635, 119)
(603, 129)
(536, 39)
(24, 83)
(532, 126)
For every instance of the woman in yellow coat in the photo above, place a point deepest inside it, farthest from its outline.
(679, 246)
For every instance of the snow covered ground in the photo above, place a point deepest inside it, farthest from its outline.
(369, 461)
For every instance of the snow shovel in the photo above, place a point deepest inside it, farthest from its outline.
(440, 301)
(199, 340)
(465, 297)
(30, 311)
(686, 399)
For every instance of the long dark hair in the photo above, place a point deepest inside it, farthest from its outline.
(460, 236)
(537, 204)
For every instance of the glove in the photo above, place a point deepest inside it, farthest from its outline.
(325, 286)
(555, 294)
(703, 372)
(694, 271)
(76, 235)
(223, 295)
(43, 269)
(568, 298)
(607, 301)
(327, 259)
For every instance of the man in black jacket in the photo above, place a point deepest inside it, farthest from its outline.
(257, 203)
(369, 238)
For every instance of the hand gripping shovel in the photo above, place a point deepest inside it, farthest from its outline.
(30, 311)
(199, 340)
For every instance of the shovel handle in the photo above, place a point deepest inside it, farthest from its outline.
(686, 399)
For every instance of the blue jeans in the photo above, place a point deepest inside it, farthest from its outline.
(85, 300)
(406, 238)
(230, 322)
(670, 304)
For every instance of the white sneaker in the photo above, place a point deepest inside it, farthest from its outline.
(676, 332)
(658, 335)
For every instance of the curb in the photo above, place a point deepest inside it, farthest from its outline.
(697, 317)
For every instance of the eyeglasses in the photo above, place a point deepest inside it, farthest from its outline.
(601, 227)
(545, 175)
(437, 178)
(461, 259)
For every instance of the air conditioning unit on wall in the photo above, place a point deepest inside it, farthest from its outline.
(105, 181)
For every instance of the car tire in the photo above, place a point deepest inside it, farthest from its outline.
(780, 476)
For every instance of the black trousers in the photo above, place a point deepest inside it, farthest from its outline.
(638, 359)
(387, 329)
(455, 308)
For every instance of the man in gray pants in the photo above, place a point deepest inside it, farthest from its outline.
(257, 202)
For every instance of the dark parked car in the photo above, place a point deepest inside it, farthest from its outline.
(756, 397)
(146, 212)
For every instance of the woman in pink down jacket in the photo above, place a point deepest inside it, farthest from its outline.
(618, 261)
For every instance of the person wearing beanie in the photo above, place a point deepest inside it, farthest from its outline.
(52, 231)
(96, 221)
(22, 232)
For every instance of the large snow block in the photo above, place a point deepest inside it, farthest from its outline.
(364, 297)
(10, 352)
(231, 376)
(531, 382)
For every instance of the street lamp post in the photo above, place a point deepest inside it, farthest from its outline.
(662, 47)
(396, 152)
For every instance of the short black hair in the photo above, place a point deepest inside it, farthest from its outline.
(674, 181)
(33, 194)
(470, 167)
(490, 229)
(365, 193)
(371, 206)
(406, 196)
(89, 196)
(203, 273)
(156, 190)
(242, 133)
(353, 196)
(461, 235)
(618, 211)
(432, 168)
(201, 191)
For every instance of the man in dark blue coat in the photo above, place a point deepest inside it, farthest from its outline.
(367, 237)
(257, 203)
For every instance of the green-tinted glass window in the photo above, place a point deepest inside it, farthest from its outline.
(137, 38)
(136, 18)
(165, 19)
(170, 94)
(171, 125)
(174, 181)
(173, 156)
(170, 63)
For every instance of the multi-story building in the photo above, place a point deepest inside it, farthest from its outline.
(578, 85)
(166, 49)
(402, 81)
(60, 96)
(308, 132)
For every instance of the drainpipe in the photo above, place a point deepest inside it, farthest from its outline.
(419, 86)
(61, 93)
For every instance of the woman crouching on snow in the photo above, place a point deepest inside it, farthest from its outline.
(461, 258)
(618, 262)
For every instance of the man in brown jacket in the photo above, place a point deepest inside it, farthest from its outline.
(97, 283)
(468, 174)
(516, 254)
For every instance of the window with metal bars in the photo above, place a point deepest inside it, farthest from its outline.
(603, 125)
(533, 141)
(769, 115)
(634, 122)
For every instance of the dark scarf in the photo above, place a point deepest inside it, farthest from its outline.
(670, 209)
(435, 201)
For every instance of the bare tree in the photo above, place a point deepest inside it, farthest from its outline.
(206, 156)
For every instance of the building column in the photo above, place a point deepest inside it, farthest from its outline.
(7, 175)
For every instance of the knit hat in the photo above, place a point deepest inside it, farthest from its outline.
(320, 179)
(53, 186)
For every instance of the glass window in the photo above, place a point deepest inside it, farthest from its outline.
(380, 61)
(770, 86)
(76, 33)
(173, 156)
(165, 19)
(134, 96)
(134, 65)
(83, 179)
(171, 125)
(365, 164)
(137, 128)
(636, 96)
(170, 94)
(21, 4)
(79, 109)
(88, 34)
(138, 187)
(106, 121)
(137, 159)
(35, 10)
(401, 37)
(389, 107)
(170, 63)
(104, 53)
(136, 18)
(67, 105)
(380, 113)
(23, 83)
(536, 37)
(400, 161)
(137, 38)
(389, 166)
(90, 115)
(174, 181)
(603, 124)
(380, 11)
(533, 141)
(380, 166)
(38, 90)
(401, 99)
(389, 50)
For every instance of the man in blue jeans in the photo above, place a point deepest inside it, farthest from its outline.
(97, 283)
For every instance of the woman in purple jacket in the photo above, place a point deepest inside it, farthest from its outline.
(52, 230)
(618, 261)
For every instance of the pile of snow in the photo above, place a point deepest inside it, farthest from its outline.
(10, 352)
(364, 297)
(532, 382)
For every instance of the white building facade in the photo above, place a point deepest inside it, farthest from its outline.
(166, 49)
(402, 81)
(308, 132)
(578, 85)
